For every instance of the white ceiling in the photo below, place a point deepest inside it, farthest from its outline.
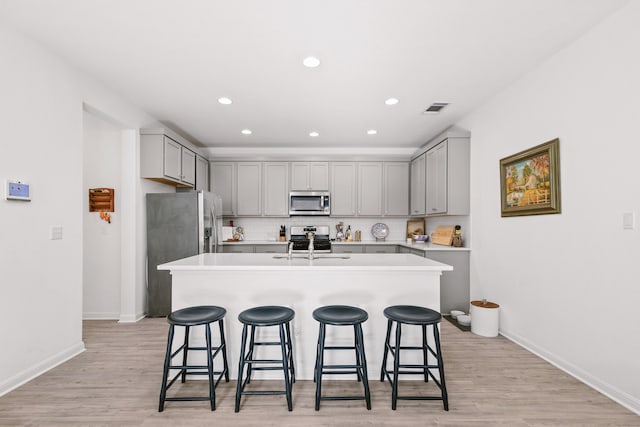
(175, 58)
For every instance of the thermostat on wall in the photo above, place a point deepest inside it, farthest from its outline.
(17, 190)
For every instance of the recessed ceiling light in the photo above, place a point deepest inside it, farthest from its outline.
(391, 101)
(246, 131)
(311, 62)
(313, 134)
(372, 132)
(224, 101)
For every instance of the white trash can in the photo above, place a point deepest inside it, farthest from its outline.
(485, 316)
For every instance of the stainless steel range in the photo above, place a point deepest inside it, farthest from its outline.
(300, 238)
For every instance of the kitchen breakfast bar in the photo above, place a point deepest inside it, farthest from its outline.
(369, 281)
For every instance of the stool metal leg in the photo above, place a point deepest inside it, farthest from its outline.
(240, 385)
(183, 372)
(223, 346)
(320, 364)
(290, 348)
(252, 341)
(425, 353)
(285, 367)
(396, 366)
(165, 372)
(361, 360)
(443, 386)
(383, 370)
(212, 388)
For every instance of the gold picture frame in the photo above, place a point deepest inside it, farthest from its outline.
(415, 226)
(530, 181)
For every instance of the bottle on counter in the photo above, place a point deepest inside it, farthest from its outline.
(347, 234)
(283, 234)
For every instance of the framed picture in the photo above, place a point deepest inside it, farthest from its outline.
(530, 181)
(415, 226)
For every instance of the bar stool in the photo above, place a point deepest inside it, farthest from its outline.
(261, 317)
(188, 317)
(421, 316)
(341, 315)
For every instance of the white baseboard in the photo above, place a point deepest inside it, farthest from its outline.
(49, 363)
(130, 318)
(100, 316)
(623, 398)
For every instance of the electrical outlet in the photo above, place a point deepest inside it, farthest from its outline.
(629, 220)
(55, 232)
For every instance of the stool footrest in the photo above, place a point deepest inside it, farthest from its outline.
(263, 392)
(340, 347)
(343, 398)
(338, 372)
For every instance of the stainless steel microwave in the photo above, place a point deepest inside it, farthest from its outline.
(309, 203)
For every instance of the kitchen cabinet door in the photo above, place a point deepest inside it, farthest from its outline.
(172, 159)
(249, 188)
(418, 190)
(188, 166)
(370, 188)
(380, 249)
(223, 183)
(347, 248)
(202, 174)
(276, 192)
(396, 189)
(343, 189)
(309, 176)
(436, 195)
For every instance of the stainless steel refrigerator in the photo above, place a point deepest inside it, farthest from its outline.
(179, 225)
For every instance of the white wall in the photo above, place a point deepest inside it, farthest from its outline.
(41, 293)
(101, 239)
(568, 284)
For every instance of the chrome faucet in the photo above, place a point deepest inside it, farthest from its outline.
(310, 236)
(290, 253)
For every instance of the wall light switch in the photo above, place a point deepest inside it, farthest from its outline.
(629, 220)
(55, 232)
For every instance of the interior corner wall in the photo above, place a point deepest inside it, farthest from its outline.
(101, 274)
(567, 284)
(42, 107)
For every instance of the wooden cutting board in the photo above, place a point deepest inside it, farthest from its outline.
(443, 235)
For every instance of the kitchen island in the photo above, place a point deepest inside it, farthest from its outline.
(369, 281)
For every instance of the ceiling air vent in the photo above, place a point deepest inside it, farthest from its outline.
(435, 108)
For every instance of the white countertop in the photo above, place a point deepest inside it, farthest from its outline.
(326, 262)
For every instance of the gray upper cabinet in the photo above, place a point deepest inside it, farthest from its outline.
(448, 179)
(436, 198)
(418, 182)
(165, 160)
(309, 176)
(223, 182)
(370, 185)
(343, 189)
(396, 189)
(249, 189)
(276, 192)
(202, 174)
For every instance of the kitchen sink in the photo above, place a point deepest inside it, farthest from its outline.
(314, 257)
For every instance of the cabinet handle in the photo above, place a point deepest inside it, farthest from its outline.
(434, 209)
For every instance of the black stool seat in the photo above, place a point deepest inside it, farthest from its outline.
(268, 315)
(265, 316)
(412, 315)
(199, 315)
(340, 315)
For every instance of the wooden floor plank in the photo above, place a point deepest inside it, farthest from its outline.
(491, 382)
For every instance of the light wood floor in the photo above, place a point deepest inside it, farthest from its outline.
(491, 382)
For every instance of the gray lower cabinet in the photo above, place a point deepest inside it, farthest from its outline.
(238, 249)
(271, 249)
(454, 285)
(380, 249)
(347, 249)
